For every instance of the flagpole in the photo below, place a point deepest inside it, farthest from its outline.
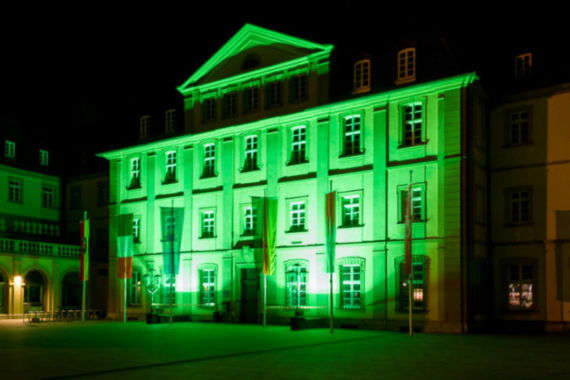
(265, 257)
(171, 254)
(264, 300)
(410, 273)
(84, 290)
(331, 266)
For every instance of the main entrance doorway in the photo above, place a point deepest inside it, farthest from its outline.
(249, 296)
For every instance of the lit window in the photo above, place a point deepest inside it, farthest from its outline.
(416, 203)
(297, 216)
(299, 88)
(44, 157)
(9, 149)
(250, 153)
(249, 220)
(519, 127)
(48, 196)
(418, 276)
(407, 65)
(207, 287)
(170, 167)
(15, 190)
(296, 277)
(412, 124)
(351, 210)
(352, 135)
(144, 126)
(209, 110)
(274, 94)
(523, 65)
(298, 145)
(134, 288)
(170, 121)
(230, 105)
(362, 76)
(351, 276)
(135, 170)
(207, 224)
(520, 206)
(251, 103)
(209, 161)
(521, 286)
(137, 230)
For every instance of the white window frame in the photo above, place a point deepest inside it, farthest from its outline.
(413, 127)
(249, 220)
(406, 65)
(250, 152)
(44, 157)
(48, 196)
(351, 286)
(135, 171)
(9, 149)
(298, 215)
(134, 287)
(417, 201)
(15, 193)
(298, 144)
(136, 229)
(207, 278)
(361, 78)
(352, 135)
(170, 166)
(209, 160)
(208, 223)
(351, 210)
(297, 289)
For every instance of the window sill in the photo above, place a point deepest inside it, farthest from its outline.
(293, 163)
(170, 182)
(355, 154)
(137, 187)
(208, 176)
(207, 237)
(423, 143)
(350, 226)
(413, 221)
(292, 231)
(248, 234)
(248, 170)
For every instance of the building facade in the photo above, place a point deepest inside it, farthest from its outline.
(259, 122)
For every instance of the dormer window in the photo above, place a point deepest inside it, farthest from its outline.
(406, 66)
(523, 65)
(9, 149)
(44, 157)
(170, 121)
(298, 88)
(230, 105)
(144, 126)
(209, 110)
(361, 76)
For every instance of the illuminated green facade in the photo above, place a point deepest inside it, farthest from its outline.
(259, 122)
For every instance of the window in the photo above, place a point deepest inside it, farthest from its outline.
(521, 286)
(416, 203)
(418, 276)
(362, 76)
(523, 65)
(230, 105)
(520, 201)
(351, 210)
(274, 90)
(207, 224)
(209, 161)
(9, 149)
(251, 99)
(48, 196)
(15, 190)
(351, 135)
(170, 176)
(209, 110)
(135, 173)
(137, 230)
(351, 280)
(134, 288)
(296, 274)
(250, 154)
(144, 125)
(207, 287)
(297, 216)
(44, 157)
(413, 122)
(169, 290)
(75, 197)
(406, 65)
(170, 121)
(519, 127)
(299, 88)
(249, 220)
(298, 145)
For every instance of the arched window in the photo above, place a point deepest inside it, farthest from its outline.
(34, 289)
(352, 284)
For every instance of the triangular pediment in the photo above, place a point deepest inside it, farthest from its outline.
(252, 48)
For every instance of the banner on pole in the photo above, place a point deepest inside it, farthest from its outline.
(266, 231)
(172, 219)
(84, 254)
(408, 233)
(125, 246)
(330, 229)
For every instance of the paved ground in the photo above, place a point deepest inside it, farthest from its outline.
(102, 350)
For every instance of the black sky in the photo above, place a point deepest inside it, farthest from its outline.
(119, 58)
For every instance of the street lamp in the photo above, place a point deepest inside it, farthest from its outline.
(152, 282)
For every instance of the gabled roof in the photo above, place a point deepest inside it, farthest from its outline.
(247, 39)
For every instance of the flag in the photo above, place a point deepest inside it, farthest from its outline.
(172, 219)
(84, 256)
(408, 233)
(266, 230)
(330, 229)
(125, 246)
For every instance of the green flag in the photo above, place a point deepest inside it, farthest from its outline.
(266, 230)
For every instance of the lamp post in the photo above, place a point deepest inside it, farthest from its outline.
(152, 282)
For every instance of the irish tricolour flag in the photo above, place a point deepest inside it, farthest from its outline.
(125, 246)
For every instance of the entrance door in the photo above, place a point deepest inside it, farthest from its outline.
(249, 296)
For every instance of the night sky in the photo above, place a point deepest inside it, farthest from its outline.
(98, 65)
